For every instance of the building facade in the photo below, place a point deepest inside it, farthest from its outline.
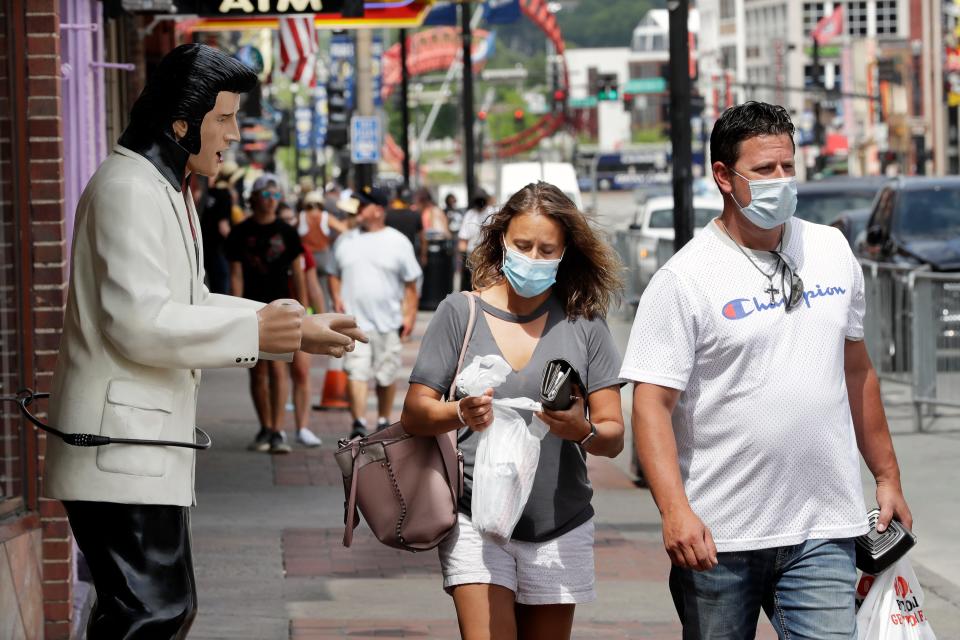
(67, 77)
(876, 93)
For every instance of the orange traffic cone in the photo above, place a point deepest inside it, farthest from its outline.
(334, 387)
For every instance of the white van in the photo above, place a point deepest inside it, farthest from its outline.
(517, 175)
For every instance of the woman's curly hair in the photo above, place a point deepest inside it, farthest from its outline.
(590, 274)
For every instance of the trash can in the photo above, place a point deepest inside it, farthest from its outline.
(437, 274)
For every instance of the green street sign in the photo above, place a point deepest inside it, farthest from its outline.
(645, 85)
(582, 103)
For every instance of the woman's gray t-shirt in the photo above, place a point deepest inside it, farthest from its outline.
(560, 498)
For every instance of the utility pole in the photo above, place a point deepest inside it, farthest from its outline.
(818, 132)
(364, 173)
(468, 145)
(405, 108)
(681, 138)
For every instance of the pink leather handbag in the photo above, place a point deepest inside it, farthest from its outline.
(405, 486)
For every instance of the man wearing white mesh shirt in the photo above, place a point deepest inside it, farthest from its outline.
(754, 392)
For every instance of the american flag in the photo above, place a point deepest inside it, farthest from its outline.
(298, 49)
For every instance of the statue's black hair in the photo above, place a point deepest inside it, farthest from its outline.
(185, 86)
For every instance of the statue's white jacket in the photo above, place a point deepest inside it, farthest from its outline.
(139, 326)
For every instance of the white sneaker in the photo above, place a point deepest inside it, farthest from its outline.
(308, 438)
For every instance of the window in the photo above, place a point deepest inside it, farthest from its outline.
(887, 17)
(856, 18)
(728, 9)
(812, 13)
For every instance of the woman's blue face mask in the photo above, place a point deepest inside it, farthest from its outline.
(529, 277)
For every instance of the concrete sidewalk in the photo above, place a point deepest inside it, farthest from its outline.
(270, 563)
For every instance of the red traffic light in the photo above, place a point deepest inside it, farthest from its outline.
(559, 95)
(481, 115)
(518, 114)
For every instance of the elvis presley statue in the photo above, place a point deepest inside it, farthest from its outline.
(139, 327)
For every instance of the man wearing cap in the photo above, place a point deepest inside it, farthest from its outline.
(374, 277)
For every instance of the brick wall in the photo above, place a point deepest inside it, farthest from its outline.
(44, 131)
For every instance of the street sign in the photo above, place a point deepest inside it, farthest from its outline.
(583, 103)
(645, 85)
(247, 8)
(254, 15)
(303, 122)
(365, 139)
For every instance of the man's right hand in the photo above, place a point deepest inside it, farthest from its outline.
(688, 541)
(280, 326)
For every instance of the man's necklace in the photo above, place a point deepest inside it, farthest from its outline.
(769, 276)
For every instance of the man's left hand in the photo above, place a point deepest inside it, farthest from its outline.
(892, 505)
(570, 424)
(331, 334)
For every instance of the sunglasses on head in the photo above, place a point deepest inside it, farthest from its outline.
(267, 193)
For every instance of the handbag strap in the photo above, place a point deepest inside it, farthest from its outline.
(448, 440)
(350, 515)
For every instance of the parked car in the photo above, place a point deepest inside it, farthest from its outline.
(853, 224)
(821, 201)
(651, 234)
(916, 220)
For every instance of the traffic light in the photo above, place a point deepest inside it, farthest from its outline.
(559, 100)
(628, 99)
(338, 119)
(518, 118)
(481, 115)
(607, 87)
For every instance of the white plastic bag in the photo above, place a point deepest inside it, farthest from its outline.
(893, 607)
(508, 452)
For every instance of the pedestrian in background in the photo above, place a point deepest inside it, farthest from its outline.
(263, 252)
(435, 225)
(468, 237)
(544, 282)
(300, 367)
(215, 227)
(752, 396)
(318, 229)
(375, 279)
(404, 219)
(453, 212)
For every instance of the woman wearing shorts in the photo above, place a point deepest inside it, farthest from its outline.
(544, 280)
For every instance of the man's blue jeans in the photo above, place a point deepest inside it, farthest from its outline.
(807, 591)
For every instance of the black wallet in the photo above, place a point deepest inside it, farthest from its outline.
(558, 386)
(877, 551)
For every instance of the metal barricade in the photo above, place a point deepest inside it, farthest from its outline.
(912, 330)
(641, 257)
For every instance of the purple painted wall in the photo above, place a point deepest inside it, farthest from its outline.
(84, 103)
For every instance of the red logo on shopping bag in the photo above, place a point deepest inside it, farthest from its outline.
(901, 587)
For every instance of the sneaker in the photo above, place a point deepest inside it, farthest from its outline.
(382, 423)
(262, 442)
(359, 430)
(308, 438)
(278, 444)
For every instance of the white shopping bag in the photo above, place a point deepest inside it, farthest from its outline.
(508, 452)
(893, 606)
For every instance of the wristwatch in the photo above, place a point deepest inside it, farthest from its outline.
(590, 436)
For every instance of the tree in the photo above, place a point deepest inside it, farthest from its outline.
(603, 23)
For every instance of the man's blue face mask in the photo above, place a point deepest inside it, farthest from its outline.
(772, 202)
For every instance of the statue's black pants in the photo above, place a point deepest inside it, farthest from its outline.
(142, 567)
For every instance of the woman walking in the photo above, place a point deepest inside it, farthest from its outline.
(544, 280)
